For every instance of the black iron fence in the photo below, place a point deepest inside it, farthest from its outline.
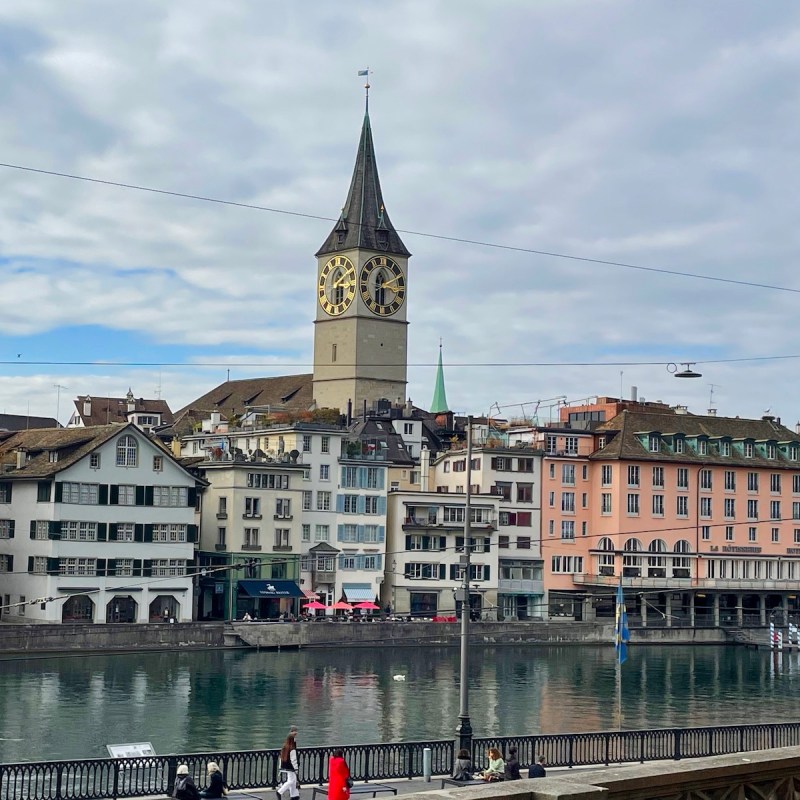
(98, 779)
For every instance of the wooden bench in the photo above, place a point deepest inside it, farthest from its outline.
(360, 788)
(456, 782)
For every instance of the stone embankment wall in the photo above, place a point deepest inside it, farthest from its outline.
(16, 638)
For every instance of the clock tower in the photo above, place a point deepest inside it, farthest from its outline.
(361, 330)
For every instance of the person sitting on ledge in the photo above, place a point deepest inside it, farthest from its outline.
(512, 766)
(463, 769)
(216, 783)
(497, 766)
(537, 770)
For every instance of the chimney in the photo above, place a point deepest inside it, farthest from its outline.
(797, 427)
(425, 468)
(681, 410)
(634, 393)
(712, 412)
(22, 457)
(409, 408)
(87, 406)
(131, 401)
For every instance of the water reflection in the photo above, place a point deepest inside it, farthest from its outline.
(71, 707)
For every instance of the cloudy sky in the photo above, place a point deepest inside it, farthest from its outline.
(659, 134)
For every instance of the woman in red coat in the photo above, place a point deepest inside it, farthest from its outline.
(338, 777)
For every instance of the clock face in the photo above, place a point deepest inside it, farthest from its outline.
(382, 286)
(337, 285)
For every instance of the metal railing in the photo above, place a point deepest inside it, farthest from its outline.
(97, 779)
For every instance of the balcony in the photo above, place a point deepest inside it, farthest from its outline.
(416, 522)
(635, 582)
(515, 586)
(323, 576)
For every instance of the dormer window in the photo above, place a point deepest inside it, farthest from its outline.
(601, 442)
(724, 448)
(52, 456)
(748, 449)
(655, 443)
(771, 451)
(793, 449)
(702, 447)
(679, 444)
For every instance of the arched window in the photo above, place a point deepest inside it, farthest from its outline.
(337, 296)
(607, 559)
(380, 291)
(657, 564)
(631, 560)
(681, 564)
(127, 451)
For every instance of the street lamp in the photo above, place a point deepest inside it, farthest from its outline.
(394, 586)
(464, 727)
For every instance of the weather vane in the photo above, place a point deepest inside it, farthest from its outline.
(364, 73)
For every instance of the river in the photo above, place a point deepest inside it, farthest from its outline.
(72, 706)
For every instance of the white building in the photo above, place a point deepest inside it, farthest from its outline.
(99, 522)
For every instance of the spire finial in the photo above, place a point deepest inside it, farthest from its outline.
(364, 73)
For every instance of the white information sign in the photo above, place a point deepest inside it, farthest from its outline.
(133, 750)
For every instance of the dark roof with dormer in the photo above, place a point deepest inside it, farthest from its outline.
(364, 222)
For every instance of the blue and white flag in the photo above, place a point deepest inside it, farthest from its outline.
(621, 634)
(363, 72)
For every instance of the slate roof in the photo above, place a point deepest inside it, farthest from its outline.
(72, 445)
(232, 397)
(381, 430)
(106, 410)
(626, 430)
(364, 222)
(21, 422)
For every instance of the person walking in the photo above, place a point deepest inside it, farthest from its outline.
(512, 766)
(184, 788)
(289, 767)
(216, 782)
(339, 781)
(463, 769)
(537, 770)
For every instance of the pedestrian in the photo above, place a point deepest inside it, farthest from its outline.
(497, 766)
(216, 782)
(184, 788)
(339, 780)
(463, 769)
(537, 770)
(289, 767)
(512, 766)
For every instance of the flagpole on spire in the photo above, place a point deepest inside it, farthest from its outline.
(364, 73)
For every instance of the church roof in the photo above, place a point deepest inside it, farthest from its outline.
(364, 222)
(439, 402)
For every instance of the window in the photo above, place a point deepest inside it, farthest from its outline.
(305, 533)
(502, 542)
(252, 507)
(307, 495)
(730, 480)
(163, 532)
(168, 567)
(705, 533)
(568, 530)
(682, 505)
(683, 478)
(258, 480)
(633, 476)
(326, 444)
(679, 444)
(796, 536)
(571, 445)
(776, 534)
(373, 478)
(77, 566)
(94, 461)
(748, 449)
(724, 448)
(283, 508)
(601, 442)
(584, 500)
(568, 502)
(170, 496)
(350, 504)
(552, 499)
(775, 483)
(633, 504)
(251, 537)
(568, 474)
(705, 479)
(771, 451)
(584, 472)
(350, 477)
(796, 483)
(371, 504)
(523, 464)
(658, 477)
(41, 529)
(752, 534)
(705, 507)
(124, 568)
(795, 510)
(523, 542)
(306, 443)
(221, 532)
(551, 443)
(606, 475)
(321, 533)
(158, 463)
(83, 493)
(729, 533)
(752, 509)
(566, 564)
(730, 508)
(752, 481)
(702, 447)
(605, 503)
(281, 537)
(127, 451)
(39, 565)
(125, 531)
(324, 472)
(79, 531)
(552, 470)
(127, 495)
(323, 501)
(454, 514)
(658, 505)
(654, 443)
(372, 533)
(775, 509)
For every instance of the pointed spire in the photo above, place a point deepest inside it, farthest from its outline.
(439, 402)
(364, 221)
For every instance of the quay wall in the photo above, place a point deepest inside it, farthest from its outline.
(38, 638)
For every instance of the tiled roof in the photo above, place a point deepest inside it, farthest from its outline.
(105, 410)
(21, 422)
(232, 397)
(626, 434)
(72, 444)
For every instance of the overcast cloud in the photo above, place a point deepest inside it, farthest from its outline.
(662, 134)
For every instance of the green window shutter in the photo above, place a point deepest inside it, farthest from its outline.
(442, 572)
(191, 533)
(102, 495)
(102, 531)
(408, 542)
(147, 568)
(114, 495)
(487, 572)
(11, 525)
(101, 567)
(59, 491)
(360, 533)
(381, 478)
(148, 532)
(52, 566)
(192, 493)
(381, 533)
(30, 563)
(340, 503)
(340, 533)
(137, 567)
(361, 504)
(454, 572)
(381, 505)
(140, 495)
(341, 480)
(379, 562)
(148, 495)
(111, 566)
(362, 477)
(138, 532)
(112, 531)
(33, 530)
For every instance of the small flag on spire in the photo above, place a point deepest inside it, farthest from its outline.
(363, 72)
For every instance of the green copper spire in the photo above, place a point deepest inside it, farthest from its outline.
(439, 403)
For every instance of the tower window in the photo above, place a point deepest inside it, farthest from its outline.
(333, 352)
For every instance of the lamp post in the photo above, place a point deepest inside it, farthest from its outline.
(464, 727)
(394, 587)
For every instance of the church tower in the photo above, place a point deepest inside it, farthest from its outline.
(361, 330)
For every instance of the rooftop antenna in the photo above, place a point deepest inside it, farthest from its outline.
(158, 386)
(58, 387)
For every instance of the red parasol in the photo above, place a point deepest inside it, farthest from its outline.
(342, 606)
(367, 606)
(316, 605)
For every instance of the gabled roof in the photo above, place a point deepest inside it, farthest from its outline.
(105, 410)
(381, 430)
(21, 422)
(229, 398)
(364, 222)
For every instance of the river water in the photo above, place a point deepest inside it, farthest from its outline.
(72, 706)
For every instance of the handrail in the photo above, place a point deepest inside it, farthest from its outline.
(110, 778)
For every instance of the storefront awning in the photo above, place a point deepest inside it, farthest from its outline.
(310, 595)
(270, 588)
(358, 592)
